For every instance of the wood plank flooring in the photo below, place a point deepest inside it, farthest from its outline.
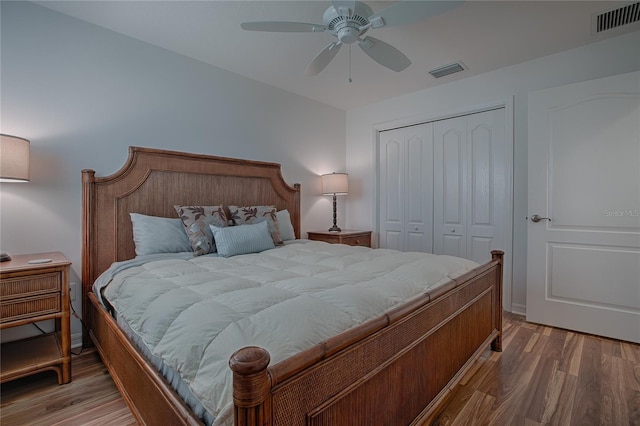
(548, 376)
(90, 399)
(544, 376)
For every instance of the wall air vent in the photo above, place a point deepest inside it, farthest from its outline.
(616, 18)
(446, 70)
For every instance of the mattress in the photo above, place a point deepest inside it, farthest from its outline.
(189, 314)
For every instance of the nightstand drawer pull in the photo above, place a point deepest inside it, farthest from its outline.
(34, 306)
(29, 286)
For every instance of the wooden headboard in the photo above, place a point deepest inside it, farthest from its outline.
(152, 181)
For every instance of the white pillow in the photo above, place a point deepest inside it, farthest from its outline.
(286, 228)
(242, 239)
(153, 234)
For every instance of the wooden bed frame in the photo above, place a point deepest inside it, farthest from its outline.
(394, 369)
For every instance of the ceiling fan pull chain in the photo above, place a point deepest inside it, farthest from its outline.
(350, 64)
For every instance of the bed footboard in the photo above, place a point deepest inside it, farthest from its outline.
(151, 399)
(396, 368)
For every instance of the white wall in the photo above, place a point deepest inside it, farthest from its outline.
(614, 56)
(82, 94)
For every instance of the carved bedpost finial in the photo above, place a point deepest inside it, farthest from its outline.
(251, 386)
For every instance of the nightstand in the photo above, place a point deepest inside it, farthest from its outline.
(31, 293)
(346, 236)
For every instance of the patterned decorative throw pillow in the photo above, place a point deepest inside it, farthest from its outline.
(257, 214)
(196, 221)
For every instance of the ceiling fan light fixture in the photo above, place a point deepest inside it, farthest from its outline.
(348, 34)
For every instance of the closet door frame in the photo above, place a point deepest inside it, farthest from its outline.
(507, 105)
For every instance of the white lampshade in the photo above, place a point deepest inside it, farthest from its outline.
(14, 159)
(335, 183)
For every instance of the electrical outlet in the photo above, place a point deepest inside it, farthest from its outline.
(72, 291)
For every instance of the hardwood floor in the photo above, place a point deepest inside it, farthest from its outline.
(90, 399)
(548, 376)
(543, 376)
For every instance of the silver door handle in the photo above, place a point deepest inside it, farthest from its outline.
(536, 218)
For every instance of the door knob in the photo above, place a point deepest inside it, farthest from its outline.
(536, 218)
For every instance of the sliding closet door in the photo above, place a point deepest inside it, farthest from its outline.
(470, 180)
(406, 188)
(444, 186)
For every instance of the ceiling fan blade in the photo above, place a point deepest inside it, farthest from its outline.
(283, 27)
(340, 5)
(384, 54)
(407, 12)
(323, 58)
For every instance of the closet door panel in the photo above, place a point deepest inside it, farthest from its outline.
(487, 180)
(450, 195)
(392, 210)
(419, 189)
(406, 188)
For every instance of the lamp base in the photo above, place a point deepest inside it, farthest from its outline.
(334, 228)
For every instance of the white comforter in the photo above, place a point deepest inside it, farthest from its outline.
(195, 312)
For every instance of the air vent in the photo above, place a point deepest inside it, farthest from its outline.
(446, 70)
(617, 17)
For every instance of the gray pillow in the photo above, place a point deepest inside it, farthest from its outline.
(242, 239)
(284, 223)
(153, 234)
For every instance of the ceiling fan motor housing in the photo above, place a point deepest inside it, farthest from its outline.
(345, 23)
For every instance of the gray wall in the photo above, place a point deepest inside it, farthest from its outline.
(82, 94)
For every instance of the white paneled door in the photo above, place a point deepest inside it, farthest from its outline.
(583, 264)
(471, 175)
(406, 189)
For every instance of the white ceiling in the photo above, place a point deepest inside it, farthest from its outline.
(482, 35)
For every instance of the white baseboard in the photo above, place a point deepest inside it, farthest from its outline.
(518, 309)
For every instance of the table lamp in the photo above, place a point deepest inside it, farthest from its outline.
(335, 184)
(14, 165)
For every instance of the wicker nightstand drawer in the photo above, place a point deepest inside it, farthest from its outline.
(29, 286)
(32, 307)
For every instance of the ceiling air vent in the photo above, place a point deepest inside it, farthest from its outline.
(617, 17)
(446, 70)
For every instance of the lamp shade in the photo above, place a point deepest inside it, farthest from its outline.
(14, 159)
(335, 183)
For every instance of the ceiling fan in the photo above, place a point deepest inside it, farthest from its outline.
(348, 21)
